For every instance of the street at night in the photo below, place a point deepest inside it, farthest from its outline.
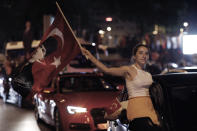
(14, 118)
(98, 65)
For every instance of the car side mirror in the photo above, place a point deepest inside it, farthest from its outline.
(49, 90)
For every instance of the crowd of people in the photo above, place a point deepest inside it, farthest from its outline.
(160, 56)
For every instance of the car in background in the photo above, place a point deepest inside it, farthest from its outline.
(174, 97)
(2, 77)
(1, 86)
(180, 70)
(17, 87)
(189, 68)
(77, 101)
(12, 96)
(21, 80)
(7, 93)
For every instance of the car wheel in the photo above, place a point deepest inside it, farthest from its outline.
(37, 116)
(57, 121)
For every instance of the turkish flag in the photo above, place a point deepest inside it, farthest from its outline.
(113, 107)
(57, 48)
(113, 110)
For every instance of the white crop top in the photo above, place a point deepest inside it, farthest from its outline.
(139, 86)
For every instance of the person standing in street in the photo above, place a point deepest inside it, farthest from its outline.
(27, 39)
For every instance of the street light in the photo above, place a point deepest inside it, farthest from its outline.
(108, 28)
(101, 32)
(185, 24)
(181, 30)
(108, 19)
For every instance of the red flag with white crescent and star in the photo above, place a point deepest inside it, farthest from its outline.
(113, 107)
(57, 48)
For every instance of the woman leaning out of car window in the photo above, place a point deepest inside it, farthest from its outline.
(140, 110)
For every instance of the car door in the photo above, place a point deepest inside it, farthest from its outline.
(161, 104)
(184, 107)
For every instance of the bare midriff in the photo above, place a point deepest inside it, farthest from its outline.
(141, 107)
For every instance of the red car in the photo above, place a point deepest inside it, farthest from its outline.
(77, 101)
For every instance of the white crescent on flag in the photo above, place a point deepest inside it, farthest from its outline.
(57, 32)
(67, 48)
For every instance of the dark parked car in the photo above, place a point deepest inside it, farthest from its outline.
(174, 97)
(77, 101)
(189, 68)
(180, 69)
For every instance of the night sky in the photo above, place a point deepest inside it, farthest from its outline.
(169, 13)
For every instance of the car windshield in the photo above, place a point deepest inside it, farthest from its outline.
(85, 83)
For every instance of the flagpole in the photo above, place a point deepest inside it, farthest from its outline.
(68, 24)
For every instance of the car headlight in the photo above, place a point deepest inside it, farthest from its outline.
(74, 109)
(1, 80)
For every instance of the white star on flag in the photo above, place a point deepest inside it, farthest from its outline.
(57, 61)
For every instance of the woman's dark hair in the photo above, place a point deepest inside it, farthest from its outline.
(50, 45)
(135, 49)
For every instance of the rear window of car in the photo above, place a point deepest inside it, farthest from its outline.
(86, 83)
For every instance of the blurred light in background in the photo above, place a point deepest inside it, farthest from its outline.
(110, 37)
(101, 32)
(174, 65)
(185, 24)
(108, 28)
(155, 32)
(109, 19)
(189, 44)
(181, 30)
(93, 44)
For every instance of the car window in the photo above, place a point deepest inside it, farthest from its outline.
(87, 83)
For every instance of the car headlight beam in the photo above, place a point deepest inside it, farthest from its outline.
(1, 80)
(74, 109)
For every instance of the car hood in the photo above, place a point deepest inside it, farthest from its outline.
(89, 99)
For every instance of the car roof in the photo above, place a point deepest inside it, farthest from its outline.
(116, 79)
(188, 78)
(81, 74)
(87, 74)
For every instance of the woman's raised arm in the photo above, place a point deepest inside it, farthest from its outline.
(117, 71)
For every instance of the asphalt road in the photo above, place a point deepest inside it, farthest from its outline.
(13, 118)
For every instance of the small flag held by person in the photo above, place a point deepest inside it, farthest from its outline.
(113, 110)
